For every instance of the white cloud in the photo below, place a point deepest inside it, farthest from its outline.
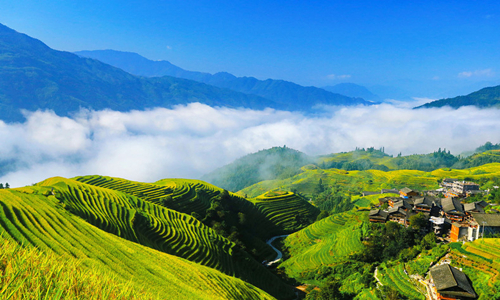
(477, 73)
(189, 141)
(338, 77)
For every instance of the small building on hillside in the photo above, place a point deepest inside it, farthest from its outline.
(378, 216)
(459, 231)
(424, 204)
(461, 188)
(451, 283)
(448, 182)
(453, 210)
(483, 224)
(389, 191)
(473, 207)
(407, 193)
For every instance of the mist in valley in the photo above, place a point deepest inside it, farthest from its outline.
(189, 141)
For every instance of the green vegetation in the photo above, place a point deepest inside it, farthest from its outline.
(34, 216)
(274, 163)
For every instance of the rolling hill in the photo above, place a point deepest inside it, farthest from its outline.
(34, 76)
(41, 216)
(288, 94)
(273, 163)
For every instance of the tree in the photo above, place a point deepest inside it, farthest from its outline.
(418, 221)
(1, 185)
(7, 186)
(323, 214)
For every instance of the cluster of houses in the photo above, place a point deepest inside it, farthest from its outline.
(448, 217)
(451, 218)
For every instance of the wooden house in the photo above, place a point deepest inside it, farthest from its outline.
(407, 193)
(451, 283)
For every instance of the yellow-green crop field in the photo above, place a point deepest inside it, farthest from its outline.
(34, 217)
(370, 180)
(480, 260)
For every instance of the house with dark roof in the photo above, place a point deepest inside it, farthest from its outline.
(407, 193)
(451, 283)
(483, 224)
(423, 204)
(378, 216)
(473, 207)
(453, 210)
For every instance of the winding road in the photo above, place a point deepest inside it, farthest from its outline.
(280, 255)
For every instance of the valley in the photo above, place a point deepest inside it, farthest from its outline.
(323, 239)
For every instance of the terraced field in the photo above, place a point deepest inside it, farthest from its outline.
(160, 228)
(33, 216)
(286, 210)
(188, 196)
(371, 180)
(194, 196)
(325, 242)
(396, 277)
(480, 260)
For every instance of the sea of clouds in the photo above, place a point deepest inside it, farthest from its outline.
(191, 140)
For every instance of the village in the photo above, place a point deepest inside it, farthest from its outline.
(452, 217)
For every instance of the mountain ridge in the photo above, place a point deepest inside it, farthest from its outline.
(33, 76)
(288, 94)
(483, 98)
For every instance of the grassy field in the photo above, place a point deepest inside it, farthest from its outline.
(325, 242)
(32, 216)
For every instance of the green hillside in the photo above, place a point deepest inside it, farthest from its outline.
(34, 216)
(162, 229)
(274, 163)
(487, 97)
(355, 182)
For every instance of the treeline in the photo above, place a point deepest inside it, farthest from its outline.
(330, 200)
(6, 186)
(422, 162)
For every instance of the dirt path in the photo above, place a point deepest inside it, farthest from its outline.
(279, 254)
(375, 275)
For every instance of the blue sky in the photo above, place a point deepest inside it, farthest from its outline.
(423, 46)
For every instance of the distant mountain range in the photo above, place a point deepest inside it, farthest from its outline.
(34, 76)
(288, 94)
(487, 97)
(353, 90)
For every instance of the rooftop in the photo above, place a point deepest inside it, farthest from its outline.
(451, 281)
(492, 220)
